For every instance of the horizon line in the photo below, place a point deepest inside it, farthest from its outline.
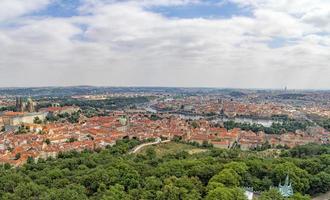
(186, 87)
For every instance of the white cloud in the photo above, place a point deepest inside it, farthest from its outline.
(10, 9)
(315, 12)
(90, 4)
(122, 43)
(278, 24)
(296, 7)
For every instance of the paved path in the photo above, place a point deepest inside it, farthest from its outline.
(136, 149)
(325, 196)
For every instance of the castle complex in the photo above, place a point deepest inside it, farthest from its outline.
(25, 106)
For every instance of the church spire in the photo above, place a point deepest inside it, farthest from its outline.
(286, 189)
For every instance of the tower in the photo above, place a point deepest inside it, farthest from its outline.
(18, 107)
(30, 105)
(21, 105)
(286, 189)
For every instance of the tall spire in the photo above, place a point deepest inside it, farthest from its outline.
(287, 180)
(286, 189)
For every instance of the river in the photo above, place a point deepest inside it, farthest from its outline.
(264, 122)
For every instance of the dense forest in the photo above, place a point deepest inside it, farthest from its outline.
(110, 104)
(280, 127)
(7, 108)
(325, 123)
(112, 174)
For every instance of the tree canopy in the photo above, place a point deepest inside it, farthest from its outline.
(112, 173)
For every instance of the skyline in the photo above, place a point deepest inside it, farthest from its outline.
(284, 89)
(171, 43)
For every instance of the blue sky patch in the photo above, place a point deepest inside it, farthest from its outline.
(208, 9)
(60, 8)
(278, 42)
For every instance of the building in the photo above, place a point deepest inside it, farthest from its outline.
(60, 110)
(30, 106)
(1, 123)
(12, 119)
(249, 193)
(22, 106)
(286, 189)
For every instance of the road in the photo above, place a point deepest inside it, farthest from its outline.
(325, 196)
(136, 149)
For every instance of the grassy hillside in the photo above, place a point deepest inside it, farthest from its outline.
(172, 148)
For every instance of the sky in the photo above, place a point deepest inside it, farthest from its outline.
(176, 43)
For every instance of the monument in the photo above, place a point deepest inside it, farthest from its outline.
(286, 189)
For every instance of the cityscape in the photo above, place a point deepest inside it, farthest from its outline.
(227, 119)
(43, 127)
(164, 100)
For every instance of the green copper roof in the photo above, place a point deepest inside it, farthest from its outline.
(286, 189)
(123, 121)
